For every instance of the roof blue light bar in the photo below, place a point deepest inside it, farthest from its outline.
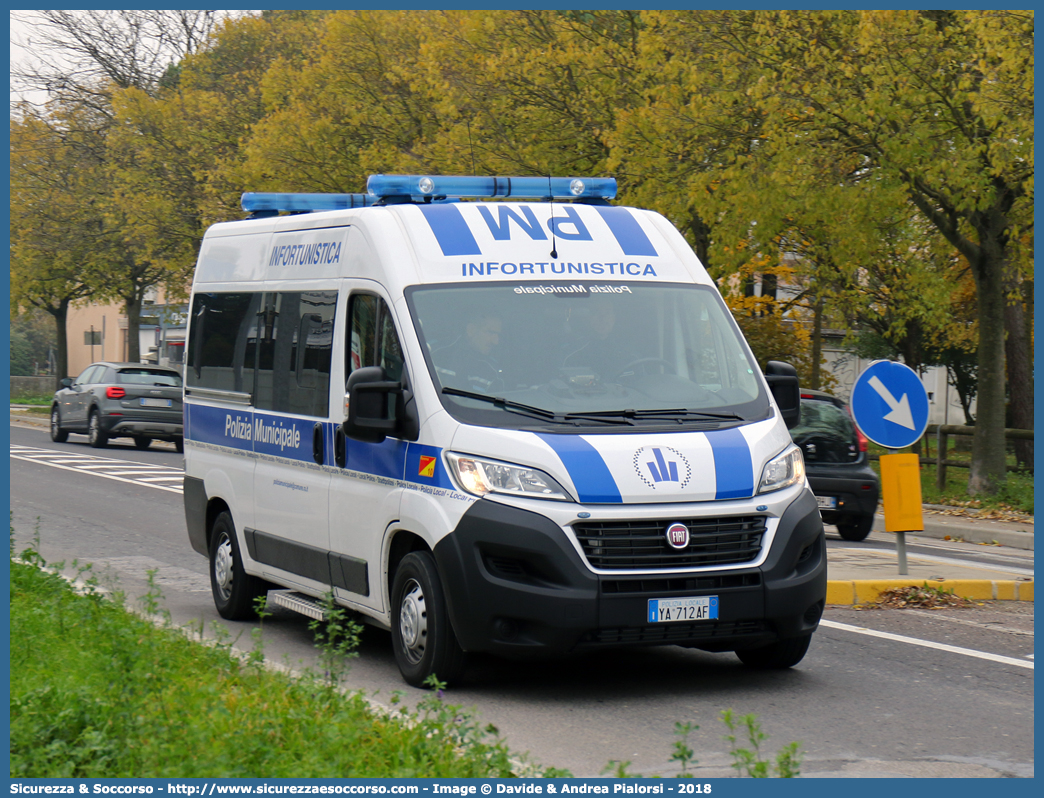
(258, 202)
(566, 188)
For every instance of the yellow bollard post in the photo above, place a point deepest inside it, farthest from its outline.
(901, 493)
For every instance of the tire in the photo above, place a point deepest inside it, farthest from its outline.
(422, 638)
(58, 435)
(95, 436)
(856, 530)
(179, 445)
(234, 590)
(142, 442)
(776, 656)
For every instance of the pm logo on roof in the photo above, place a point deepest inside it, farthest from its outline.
(565, 222)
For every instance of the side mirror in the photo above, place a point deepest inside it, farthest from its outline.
(783, 382)
(66, 382)
(370, 401)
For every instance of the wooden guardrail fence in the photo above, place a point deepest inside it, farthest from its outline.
(942, 433)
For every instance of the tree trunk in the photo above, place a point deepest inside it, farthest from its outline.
(133, 310)
(988, 466)
(817, 342)
(701, 239)
(60, 316)
(1020, 372)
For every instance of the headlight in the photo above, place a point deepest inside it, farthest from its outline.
(783, 470)
(478, 477)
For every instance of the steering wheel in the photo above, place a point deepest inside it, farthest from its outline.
(666, 366)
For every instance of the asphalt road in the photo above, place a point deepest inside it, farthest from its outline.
(860, 705)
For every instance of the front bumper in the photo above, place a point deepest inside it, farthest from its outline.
(515, 586)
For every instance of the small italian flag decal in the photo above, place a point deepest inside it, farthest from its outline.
(427, 466)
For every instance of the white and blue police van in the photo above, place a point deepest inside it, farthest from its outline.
(492, 415)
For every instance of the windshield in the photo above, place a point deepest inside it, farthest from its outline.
(529, 355)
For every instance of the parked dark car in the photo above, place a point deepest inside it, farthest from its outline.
(120, 400)
(845, 486)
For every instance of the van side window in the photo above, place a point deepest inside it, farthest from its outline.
(222, 341)
(295, 351)
(373, 336)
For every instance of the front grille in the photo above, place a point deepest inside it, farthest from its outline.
(679, 584)
(673, 632)
(643, 544)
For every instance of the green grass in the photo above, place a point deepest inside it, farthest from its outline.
(99, 692)
(44, 401)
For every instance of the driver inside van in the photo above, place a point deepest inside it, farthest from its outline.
(469, 363)
(599, 346)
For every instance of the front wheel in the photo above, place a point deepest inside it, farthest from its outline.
(234, 590)
(776, 656)
(58, 435)
(422, 638)
(142, 442)
(856, 530)
(96, 436)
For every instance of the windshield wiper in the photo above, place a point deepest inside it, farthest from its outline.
(531, 410)
(674, 413)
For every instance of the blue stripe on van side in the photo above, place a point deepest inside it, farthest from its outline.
(628, 232)
(594, 483)
(733, 466)
(220, 426)
(417, 462)
(387, 459)
(449, 227)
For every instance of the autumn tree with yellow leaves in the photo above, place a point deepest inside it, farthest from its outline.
(868, 161)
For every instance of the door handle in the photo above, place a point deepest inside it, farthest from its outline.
(318, 450)
(340, 452)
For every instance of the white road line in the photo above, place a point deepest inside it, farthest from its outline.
(968, 652)
(96, 474)
(97, 464)
(129, 472)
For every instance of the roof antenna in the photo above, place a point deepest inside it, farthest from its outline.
(551, 199)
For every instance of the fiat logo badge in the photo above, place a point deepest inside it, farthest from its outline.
(678, 536)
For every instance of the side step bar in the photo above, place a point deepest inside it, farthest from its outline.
(298, 602)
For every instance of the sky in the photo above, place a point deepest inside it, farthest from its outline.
(19, 33)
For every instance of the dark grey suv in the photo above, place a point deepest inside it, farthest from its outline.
(845, 486)
(120, 400)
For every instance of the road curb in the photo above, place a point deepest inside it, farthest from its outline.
(1015, 535)
(861, 591)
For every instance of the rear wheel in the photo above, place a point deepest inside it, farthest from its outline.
(96, 437)
(422, 638)
(179, 444)
(58, 435)
(776, 656)
(142, 442)
(234, 590)
(857, 529)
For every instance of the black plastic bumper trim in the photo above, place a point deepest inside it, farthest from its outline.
(515, 585)
(194, 496)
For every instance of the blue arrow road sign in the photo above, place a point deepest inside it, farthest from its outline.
(890, 405)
